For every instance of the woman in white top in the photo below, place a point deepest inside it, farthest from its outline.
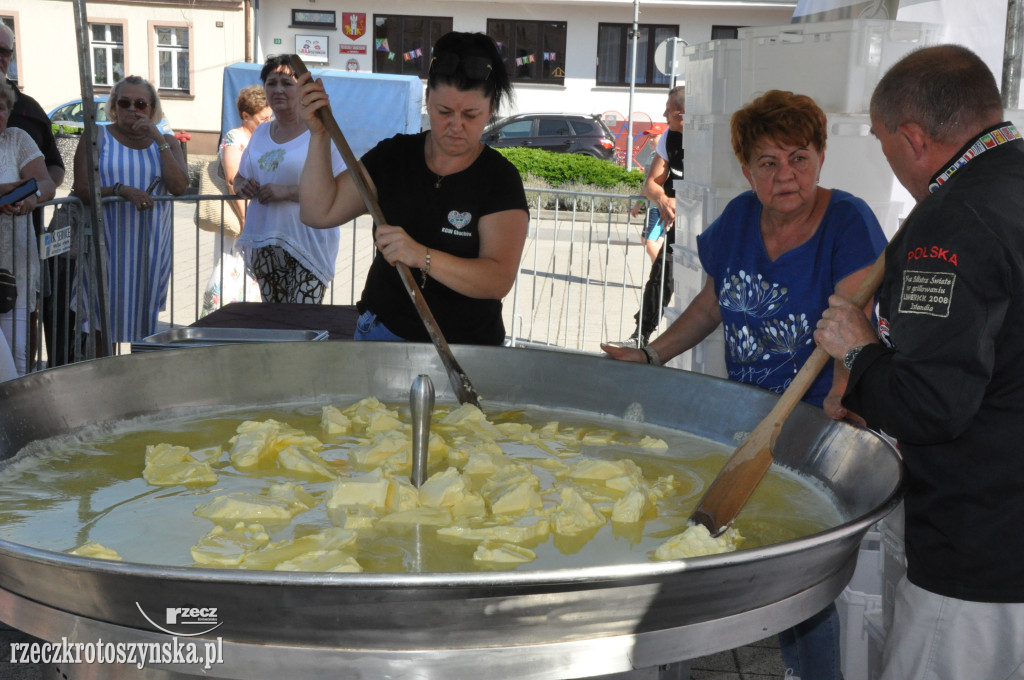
(20, 160)
(290, 261)
(229, 282)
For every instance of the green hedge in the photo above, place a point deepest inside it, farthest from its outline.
(560, 169)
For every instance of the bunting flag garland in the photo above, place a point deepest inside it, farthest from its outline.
(382, 45)
(414, 54)
(550, 56)
(391, 56)
(528, 59)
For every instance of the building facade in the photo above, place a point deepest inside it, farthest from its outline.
(565, 55)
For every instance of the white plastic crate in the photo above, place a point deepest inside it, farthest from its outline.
(876, 643)
(888, 216)
(838, 63)
(709, 157)
(860, 598)
(697, 206)
(854, 161)
(894, 562)
(713, 77)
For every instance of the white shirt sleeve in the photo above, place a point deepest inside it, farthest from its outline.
(662, 148)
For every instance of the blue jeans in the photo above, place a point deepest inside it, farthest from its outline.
(368, 328)
(811, 648)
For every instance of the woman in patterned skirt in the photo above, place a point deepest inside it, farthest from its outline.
(136, 162)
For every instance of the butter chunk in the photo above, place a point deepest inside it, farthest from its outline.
(538, 530)
(250, 447)
(503, 553)
(697, 541)
(244, 507)
(442, 489)
(595, 470)
(228, 547)
(304, 462)
(365, 411)
(512, 490)
(190, 474)
(275, 553)
(380, 449)
(402, 494)
(632, 507)
(441, 517)
(369, 489)
(294, 495)
(333, 421)
(166, 454)
(575, 515)
(94, 549)
(653, 444)
(332, 561)
(472, 420)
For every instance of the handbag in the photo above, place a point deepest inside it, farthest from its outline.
(208, 212)
(8, 290)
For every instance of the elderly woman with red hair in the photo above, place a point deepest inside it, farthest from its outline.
(772, 259)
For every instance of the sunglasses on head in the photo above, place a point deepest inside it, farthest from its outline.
(139, 104)
(475, 67)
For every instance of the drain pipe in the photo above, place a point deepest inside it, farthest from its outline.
(1012, 54)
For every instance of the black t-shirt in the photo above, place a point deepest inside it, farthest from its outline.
(30, 117)
(443, 216)
(674, 146)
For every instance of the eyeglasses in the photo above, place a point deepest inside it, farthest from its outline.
(139, 104)
(475, 67)
(6, 52)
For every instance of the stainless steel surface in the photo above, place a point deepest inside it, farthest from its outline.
(421, 404)
(188, 336)
(522, 624)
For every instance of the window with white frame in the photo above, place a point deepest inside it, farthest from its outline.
(534, 51)
(172, 58)
(107, 51)
(615, 53)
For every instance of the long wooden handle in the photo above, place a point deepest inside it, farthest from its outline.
(749, 463)
(463, 388)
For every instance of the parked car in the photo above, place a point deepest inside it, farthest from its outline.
(71, 115)
(559, 132)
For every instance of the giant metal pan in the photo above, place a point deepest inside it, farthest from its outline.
(540, 624)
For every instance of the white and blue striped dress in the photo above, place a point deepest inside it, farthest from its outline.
(138, 243)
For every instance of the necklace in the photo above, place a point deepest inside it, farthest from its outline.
(437, 184)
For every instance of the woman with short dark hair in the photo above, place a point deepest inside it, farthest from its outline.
(455, 208)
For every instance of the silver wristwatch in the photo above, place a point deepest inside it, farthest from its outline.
(851, 356)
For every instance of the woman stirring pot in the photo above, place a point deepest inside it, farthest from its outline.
(772, 259)
(455, 208)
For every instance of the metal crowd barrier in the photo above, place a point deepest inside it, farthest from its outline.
(580, 280)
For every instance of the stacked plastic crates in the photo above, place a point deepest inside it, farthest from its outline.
(838, 63)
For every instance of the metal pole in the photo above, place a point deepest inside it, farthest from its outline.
(95, 254)
(635, 35)
(1012, 54)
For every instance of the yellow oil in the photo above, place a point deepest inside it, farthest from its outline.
(58, 497)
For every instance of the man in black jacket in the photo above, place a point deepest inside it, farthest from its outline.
(944, 374)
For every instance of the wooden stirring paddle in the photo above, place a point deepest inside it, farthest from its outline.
(733, 486)
(461, 385)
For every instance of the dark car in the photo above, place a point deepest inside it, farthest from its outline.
(560, 132)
